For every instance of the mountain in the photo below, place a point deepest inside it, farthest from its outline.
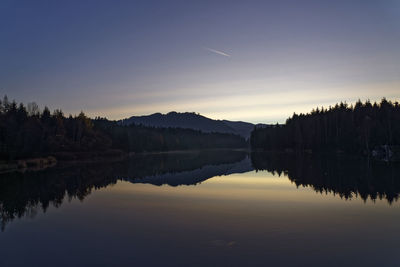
(242, 128)
(192, 121)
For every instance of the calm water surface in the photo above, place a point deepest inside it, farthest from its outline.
(203, 209)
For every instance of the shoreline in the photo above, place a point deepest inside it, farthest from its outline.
(30, 164)
(73, 158)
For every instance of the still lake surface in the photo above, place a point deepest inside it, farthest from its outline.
(215, 208)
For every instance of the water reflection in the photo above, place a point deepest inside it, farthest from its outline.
(341, 175)
(26, 194)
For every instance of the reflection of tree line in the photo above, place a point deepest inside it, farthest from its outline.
(347, 177)
(24, 194)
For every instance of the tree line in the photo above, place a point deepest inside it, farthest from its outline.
(139, 138)
(27, 131)
(353, 129)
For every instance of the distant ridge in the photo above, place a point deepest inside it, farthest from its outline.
(192, 120)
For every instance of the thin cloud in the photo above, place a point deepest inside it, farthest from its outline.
(217, 52)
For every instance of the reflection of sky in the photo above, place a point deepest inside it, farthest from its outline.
(122, 58)
(256, 187)
(239, 219)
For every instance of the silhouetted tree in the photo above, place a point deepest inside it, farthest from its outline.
(28, 133)
(353, 129)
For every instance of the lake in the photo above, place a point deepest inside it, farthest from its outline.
(209, 208)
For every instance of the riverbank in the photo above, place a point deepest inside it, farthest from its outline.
(72, 158)
(63, 158)
(33, 164)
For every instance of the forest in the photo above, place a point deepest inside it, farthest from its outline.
(28, 132)
(363, 128)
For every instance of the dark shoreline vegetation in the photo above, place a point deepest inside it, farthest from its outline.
(26, 134)
(34, 139)
(363, 129)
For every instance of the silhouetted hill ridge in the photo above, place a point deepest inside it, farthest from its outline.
(192, 120)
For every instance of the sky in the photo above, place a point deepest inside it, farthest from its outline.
(256, 61)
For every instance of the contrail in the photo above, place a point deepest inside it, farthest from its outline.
(217, 52)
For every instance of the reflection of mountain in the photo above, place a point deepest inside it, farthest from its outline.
(196, 176)
(24, 194)
(347, 177)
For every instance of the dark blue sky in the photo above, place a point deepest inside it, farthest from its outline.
(250, 60)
